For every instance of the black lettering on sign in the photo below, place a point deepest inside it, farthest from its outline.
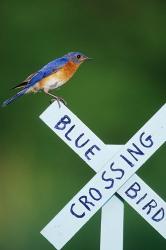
(61, 125)
(68, 132)
(83, 143)
(109, 180)
(147, 139)
(146, 142)
(151, 204)
(78, 141)
(84, 200)
(159, 215)
(133, 190)
(134, 152)
(126, 160)
(141, 199)
(74, 213)
(90, 151)
(95, 194)
(121, 171)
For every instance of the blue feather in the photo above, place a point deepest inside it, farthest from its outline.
(13, 98)
(42, 73)
(47, 70)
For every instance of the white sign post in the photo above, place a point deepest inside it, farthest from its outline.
(115, 167)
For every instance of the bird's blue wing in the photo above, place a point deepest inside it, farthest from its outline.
(47, 70)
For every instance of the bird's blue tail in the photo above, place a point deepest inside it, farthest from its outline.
(13, 98)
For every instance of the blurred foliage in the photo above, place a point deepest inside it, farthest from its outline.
(115, 94)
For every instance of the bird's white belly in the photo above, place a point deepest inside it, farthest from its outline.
(54, 83)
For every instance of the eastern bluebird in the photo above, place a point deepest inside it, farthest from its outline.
(51, 76)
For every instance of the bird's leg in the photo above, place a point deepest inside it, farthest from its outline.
(59, 99)
(62, 100)
(56, 98)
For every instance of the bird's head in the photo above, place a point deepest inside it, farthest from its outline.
(76, 57)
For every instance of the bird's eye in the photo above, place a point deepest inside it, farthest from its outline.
(78, 56)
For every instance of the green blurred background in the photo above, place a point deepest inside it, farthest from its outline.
(115, 94)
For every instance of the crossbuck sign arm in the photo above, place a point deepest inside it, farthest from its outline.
(153, 132)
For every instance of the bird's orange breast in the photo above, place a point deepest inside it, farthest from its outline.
(61, 76)
(67, 71)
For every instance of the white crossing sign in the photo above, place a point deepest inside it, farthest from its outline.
(115, 167)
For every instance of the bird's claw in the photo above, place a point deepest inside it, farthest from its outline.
(59, 100)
